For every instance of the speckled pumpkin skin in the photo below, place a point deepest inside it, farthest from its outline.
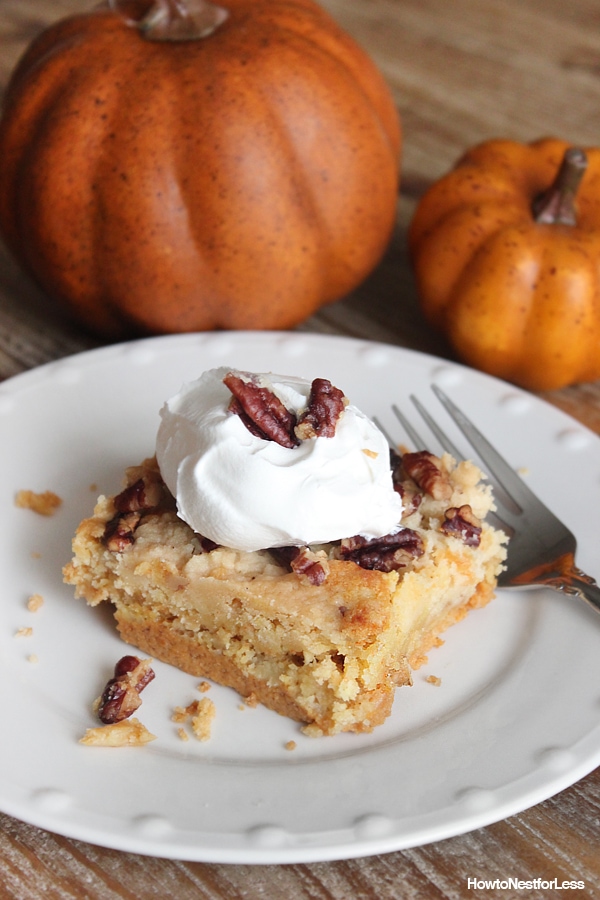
(237, 181)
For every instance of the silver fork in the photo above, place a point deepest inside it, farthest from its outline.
(541, 549)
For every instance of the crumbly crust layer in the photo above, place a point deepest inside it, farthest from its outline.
(328, 654)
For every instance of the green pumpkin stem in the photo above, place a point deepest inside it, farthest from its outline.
(177, 20)
(556, 206)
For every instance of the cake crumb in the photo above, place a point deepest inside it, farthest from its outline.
(35, 602)
(373, 454)
(128, 733)
(291, 745)
(183, 713)
(26, 631)
(33, 658)
(251, 700)
(201, 713)
(202, 721)
(204, 686)
(35, 554)
(183, 735)
(45, 503)
(433, 679)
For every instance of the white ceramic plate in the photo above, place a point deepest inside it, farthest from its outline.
(515, 719)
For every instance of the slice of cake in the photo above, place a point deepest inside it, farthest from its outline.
(311, 568)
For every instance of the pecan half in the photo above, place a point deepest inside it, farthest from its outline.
(326, 403)
(462, 522)
(386, 554)
(121, 696)
(261, 411)
(304, 562)
(424, 469)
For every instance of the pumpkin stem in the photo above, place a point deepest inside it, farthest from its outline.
(176, 20)
(557, 204)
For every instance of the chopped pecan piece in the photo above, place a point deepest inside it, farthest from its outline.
(396, 466)
(424, 469)
(462, 522)
(206, 543)
(411, 499)
(326, 403)
(121, 696)
(261, 411)
(119, 533)
(142, 495)
(310, 566)
(307, 564)
(388, 553)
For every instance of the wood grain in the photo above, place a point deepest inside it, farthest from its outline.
(461, 72)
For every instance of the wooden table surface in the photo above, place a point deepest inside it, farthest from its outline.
(461, 72)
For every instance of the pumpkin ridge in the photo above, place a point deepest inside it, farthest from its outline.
(117, 259)
(26, 99)
(471, 311)
(309, 192)
(343, 261)
(334, 43)
(438, 258)
(150, 201)
(41, 204)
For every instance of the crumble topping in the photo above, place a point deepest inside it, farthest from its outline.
(128, 733)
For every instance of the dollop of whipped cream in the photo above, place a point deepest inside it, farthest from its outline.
(249, 493)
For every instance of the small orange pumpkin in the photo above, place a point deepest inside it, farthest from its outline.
(161, 172)
(506, 252)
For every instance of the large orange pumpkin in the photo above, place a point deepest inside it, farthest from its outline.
(156, 180)
(506, 250)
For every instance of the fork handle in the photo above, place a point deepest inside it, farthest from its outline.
(575, 582)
